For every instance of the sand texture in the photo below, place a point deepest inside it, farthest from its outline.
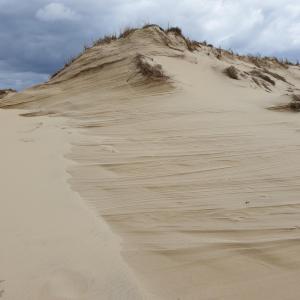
(126, 183)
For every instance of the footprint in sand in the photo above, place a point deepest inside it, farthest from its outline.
(65, 285)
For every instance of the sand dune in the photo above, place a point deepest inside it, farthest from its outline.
(193, 179)
(52, 246)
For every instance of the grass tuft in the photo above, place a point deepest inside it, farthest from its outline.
(175, 30)
(107, 39)
(293, 106)
(191, 44)
(264, 77)
(127, 32)
(5, 92)
(151, 71)
(232, 72)
(260, 62)
(149, 25)
(275, 75)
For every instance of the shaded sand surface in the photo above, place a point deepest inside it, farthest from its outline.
(52, 246)
(199, 179)
(203, 189)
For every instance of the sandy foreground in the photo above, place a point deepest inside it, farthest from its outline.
(52, 246)
(134, 188)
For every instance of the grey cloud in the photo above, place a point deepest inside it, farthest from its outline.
(56, 12)
(38, 36)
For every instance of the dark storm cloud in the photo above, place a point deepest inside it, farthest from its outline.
(38, 36)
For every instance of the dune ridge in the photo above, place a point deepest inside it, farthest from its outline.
(185, 162)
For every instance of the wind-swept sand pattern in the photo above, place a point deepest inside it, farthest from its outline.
(52, 246)
(196, 176)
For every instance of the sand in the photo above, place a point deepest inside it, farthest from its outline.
(147, 189)
(52, 246)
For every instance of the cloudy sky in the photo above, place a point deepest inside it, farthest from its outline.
(38, 36)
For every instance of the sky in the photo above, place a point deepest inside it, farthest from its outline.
(38, 36)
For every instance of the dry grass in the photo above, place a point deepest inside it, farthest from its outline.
(7, 91)
(266, 61)
(275, 75)
(261, 62)
(256, 81)
(102, 41)
(66, 65)
(148, 25)
(232, 72)
(293, 106)
(107, 39)
(175, 30)
(4, 93)
(151, 71)
(257, 61)
(191, 44)
(264, 77)
(127, 32)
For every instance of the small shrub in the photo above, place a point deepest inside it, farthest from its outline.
(232, 72)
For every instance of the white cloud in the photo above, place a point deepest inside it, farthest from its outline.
(269, 27)
(56, 12)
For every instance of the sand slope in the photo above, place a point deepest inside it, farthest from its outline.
(194, 174)
(52, 246)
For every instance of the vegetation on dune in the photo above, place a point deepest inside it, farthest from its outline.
(191, 44)
(105, 40)
(258, 61)
(275, 75)
(149, 25)
(127, 32)
(151, 71)
(293, 105)
(232, 72)
(258, 73)
(5, 92)
(175, 30)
